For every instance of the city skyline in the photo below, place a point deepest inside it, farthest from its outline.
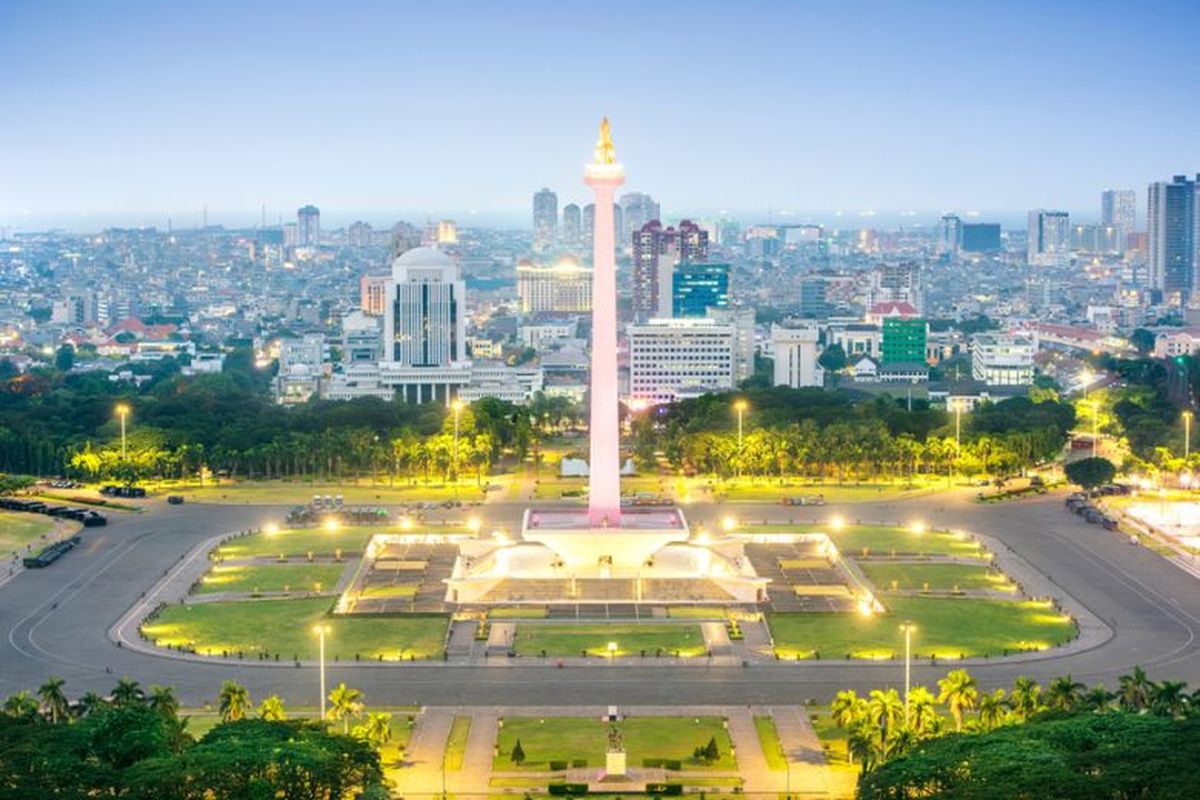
(933, 112)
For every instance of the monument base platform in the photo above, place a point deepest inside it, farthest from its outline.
(560, 557)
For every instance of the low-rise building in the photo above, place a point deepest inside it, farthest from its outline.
(674, 358)
(1000, 359)
(796, 351)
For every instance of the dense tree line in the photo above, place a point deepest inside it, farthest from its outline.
(134, 744)
(947, 740)
(54, 423)
(822, 433)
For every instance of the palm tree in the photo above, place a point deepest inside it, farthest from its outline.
(860, 744)
(378, 729)
(847, 711)
(993, 711)
(885, 711)
(1064, 694)
(233, 701)
(1099, 699)
(922, 712)
(54, 702)
(162, 699)
(1134, 691)
(127, 693)
(271, 709)
(1170, 699)
(90, 703)
(1025, 698)
(960, 693)
(345, 703)
(22, 705)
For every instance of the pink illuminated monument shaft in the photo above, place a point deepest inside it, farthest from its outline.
(604, 175)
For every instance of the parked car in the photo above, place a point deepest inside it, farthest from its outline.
(175, 499)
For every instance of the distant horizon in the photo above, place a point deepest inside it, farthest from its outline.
(83, 223)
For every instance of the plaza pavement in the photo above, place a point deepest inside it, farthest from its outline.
(56, 621)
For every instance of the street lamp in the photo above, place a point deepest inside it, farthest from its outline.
(1187, 434)
(320, 631)
(908, 628)
(122, 412)
(612, 651)
(457, 406)
(740, 407)
(1095, 426)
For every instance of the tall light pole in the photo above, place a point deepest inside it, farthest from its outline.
(1187, 434)
(908, 628)
(122, 412)
(457, 406)
(1095, 426)
(321, 630)
(740, 407)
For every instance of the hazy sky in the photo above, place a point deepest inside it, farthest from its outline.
(159, 107)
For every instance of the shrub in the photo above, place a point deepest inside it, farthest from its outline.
(557, 766)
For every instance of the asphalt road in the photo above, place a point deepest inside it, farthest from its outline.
(55, 621)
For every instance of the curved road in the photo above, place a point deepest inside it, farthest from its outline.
(55, 621)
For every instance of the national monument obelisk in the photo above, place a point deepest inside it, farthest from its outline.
(604, 175)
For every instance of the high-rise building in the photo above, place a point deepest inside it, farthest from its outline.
(904, 340)
(545, 219)
(812, 298)
(572, 225)
(981, 237)
(589, 223)
(896, 283)
(1049, 243)
(742, 318)
(1097, 239)
(1173, 236)
(373, 290)
(565, 287)
(795, 350)
(656, 251)
(695, 288)
(308, 224)
(447, 232)
(291, 235)
(425, 323)
(636, 210)
(671, 359)
(1118, 207)
(359, 235)
(949, 236)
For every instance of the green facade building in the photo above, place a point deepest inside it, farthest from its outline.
(903, 340)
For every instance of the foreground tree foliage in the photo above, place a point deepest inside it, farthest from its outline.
(1089, 756)
(136, 747)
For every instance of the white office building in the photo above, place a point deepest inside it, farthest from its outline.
(424, 326)
(671, 359)
(796, 351)
(1000, 359)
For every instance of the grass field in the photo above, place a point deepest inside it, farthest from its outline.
(772, 491)
(945, 628)
(571, 738)
(571, 640)
(271, 578)
(285, 627)
(298, 542)
(940, 577)
(402, 591)
(456, 743)
(298, 493)
(18, 530)
(768, 737)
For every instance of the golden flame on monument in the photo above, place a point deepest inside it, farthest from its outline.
(604, 153)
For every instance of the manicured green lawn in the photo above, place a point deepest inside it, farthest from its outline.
(271, 578)
(298, 542)
(883, 539)
(281, 492)
(518, 612)
(631, 639)
(771, 491)
(456, 743)
(570, 738)
(18, 530)
(285, 627)
(940, 577)
(768, 737)
(945, 627)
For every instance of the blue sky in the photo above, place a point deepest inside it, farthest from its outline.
(130, 108)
